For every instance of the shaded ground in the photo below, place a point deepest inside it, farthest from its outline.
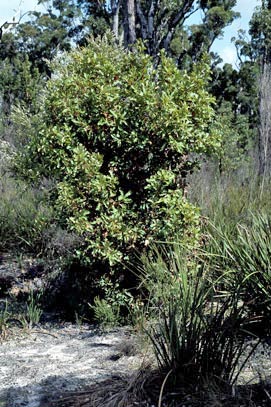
(37, 367)
(43, 367)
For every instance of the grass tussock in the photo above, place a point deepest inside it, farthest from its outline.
(245, 252)
(197, 334)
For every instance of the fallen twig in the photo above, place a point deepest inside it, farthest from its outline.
(44, 333)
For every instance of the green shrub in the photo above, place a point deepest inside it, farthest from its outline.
(116, 137)
(25, 214)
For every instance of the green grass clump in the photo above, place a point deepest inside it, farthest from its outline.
(246, 251)
(33, 309)
(105, 314)
(4, 317)
(196, 335)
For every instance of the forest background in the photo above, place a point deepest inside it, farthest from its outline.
(222, 46)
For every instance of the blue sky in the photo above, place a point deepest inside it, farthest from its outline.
(224, 47)
(8, 8)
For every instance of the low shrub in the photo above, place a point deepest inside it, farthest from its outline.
(24, 216)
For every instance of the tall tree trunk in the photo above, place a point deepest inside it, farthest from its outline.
(129, 23)
(115, 7)
(265, 122)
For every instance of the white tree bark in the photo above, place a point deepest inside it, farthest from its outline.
(265, 123)
(115, 7)
(129, 23)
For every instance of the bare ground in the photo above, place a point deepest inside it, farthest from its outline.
(43, 365)
(35, 368)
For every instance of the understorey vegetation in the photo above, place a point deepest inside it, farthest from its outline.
(135, 187)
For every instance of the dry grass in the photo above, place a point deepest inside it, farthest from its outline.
(143, 389)
(116, 391)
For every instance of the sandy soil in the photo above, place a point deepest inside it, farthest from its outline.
(36, 367)
(39, 366)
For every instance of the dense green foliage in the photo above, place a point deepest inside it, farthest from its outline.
(117, 137)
